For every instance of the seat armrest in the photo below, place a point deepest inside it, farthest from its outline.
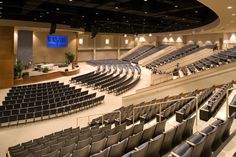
(174, 154)
(190, 143)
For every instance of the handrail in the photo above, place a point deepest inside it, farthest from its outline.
(227, 101)
(102, 114)
(160, 107)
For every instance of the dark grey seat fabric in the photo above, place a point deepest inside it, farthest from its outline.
(57, 146)
(52, 154)
(117, 150)
(183, 150)
(84, 143)
(67, 149)
(126, 133)
(141, 152)
(188, 131)
(155, 146)
(103, 153)
(133, 141)
(197, 141)
(138, 128)
(96, 147)
(210, 136)
(160, 128)
(148, 134)
(167, 141)
(98, 137)
(83, 152)
(179, 133)
(228, 126)
(113, 139)
(219, 134)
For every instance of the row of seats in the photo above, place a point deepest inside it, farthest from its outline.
(174, 55)
(114, 78)
(139, 52)
(93, 141)
(147, 53)
(190, 107)
(213, 104)
(213, 61)
(161, 144)
(204, 142)
(145, 112)
(24, 107)
(79, 138)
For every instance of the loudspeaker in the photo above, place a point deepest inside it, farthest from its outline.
(94, 32)
(53, 28)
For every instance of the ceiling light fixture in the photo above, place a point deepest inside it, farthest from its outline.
(145, 0)
(229, 7)
(116, 7)
(150, 34)
(58, 9)
(1, 7)
(125, 35)
(70, 0)
(176, 6)
(1, 2)
(233, 14)
(145, 12)
(196, 11)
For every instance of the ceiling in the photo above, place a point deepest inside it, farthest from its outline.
(112, 16)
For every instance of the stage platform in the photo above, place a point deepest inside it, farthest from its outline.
(38, 76)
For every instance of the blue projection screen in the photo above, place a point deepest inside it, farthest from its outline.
(57, 41)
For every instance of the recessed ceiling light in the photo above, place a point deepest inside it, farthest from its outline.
(70, 0)
(35, 19)
(229, 7)
(47, 12)
(82, 16)
(58, 8)
(116, 7)
(196, 11)
(1, 7)
(145, 12)
(145, 0)
(176, 6)
(150, 34)
(96, 13)
(125, 35)
(1, 2)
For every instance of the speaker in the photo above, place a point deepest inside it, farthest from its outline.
(53, 28)
(94, 32)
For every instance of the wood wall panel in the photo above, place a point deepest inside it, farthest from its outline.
(6, 57)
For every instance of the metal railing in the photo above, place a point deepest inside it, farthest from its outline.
(227, 101)
(99, 114)
(165, 102)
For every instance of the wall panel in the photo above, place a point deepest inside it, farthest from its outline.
(6, 57)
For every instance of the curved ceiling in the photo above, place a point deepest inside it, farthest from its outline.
(112, 16)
